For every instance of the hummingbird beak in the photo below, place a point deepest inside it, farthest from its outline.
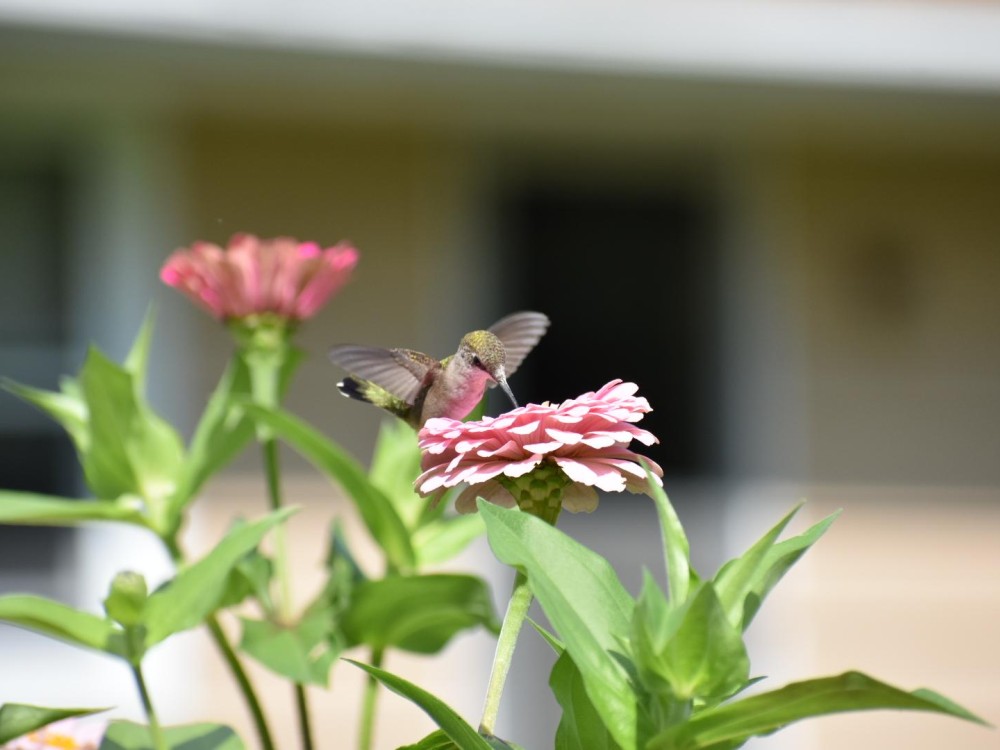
(502, 382)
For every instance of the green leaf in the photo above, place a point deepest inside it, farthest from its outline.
(197, 591)
(442, 539)
(439, 740)
(395, 466)
(62, 622)
(125, 735)
(43, 510)
(778, 560)
(580, 727)
(251, 577)
(695, 651)
(417, 613)
(735, 580)
(761, 714)
(463, 735)
(131, 449)
(554, 643)
(224, 428)
(436, 740)
(340, 555)
(222, 433)
(303, 652)
(376, 510)
(676, 549)
(68, 409)
(137, 359)
(18, 719)
(587, 605)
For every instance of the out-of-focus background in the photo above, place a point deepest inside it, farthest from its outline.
(782, 220)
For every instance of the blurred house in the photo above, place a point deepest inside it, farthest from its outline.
(781, 220)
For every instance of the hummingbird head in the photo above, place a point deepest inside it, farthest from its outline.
(482, 350)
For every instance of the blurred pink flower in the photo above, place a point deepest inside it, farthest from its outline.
(584, 439)
(67, 734)
(252, 276)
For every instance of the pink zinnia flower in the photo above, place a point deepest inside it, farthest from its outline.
(280, 276)
(577, 447)
(67, 734)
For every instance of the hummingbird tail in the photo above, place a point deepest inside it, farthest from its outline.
(355, 389)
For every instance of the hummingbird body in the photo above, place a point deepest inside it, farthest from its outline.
(416, 387)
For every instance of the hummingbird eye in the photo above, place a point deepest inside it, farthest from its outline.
(476, 362)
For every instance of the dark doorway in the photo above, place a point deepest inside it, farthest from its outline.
(628, 277)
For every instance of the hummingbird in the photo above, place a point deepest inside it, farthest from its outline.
(416, 387)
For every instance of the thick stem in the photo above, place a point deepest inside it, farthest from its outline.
(517, 611)
(155, 732)
(273, 472)
(302, 706)
(368, 707)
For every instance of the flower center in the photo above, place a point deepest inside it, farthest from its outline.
(54, 739)
(538, 492)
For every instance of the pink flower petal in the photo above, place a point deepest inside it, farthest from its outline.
(252, 276)
(579, 498)
(597, 475)
(586, 437)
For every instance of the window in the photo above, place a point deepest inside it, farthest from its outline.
(36, 454)
(629, 280)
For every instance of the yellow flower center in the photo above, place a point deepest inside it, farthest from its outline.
(53, 739)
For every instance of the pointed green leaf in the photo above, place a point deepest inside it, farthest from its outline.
(303, 652)
(376, 510)
(137, 360)
(125, 735)
(735, 580)
(580, 727)
(676, 549)
(222, 433)
(251, 577)
(197, 591)
(586, 603)
(26, 508)
(556, 645)
(778, 560)
(18, 719)
(62, 622)
(395, 466)
(417, 613)
(696, 650)
(131, 449)
(224, 429)
(340, 554)
(436, 740)
(463, 735)
(761, 714)
(69, 410)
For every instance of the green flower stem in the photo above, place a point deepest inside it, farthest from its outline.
(368, 707)
(246, 687)
(155, 731)
(232, 660)
(540, 494)
(273, 471)
(517, 611)
(302, 706)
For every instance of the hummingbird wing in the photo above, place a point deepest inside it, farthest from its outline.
(401, 372)
(519, 333)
